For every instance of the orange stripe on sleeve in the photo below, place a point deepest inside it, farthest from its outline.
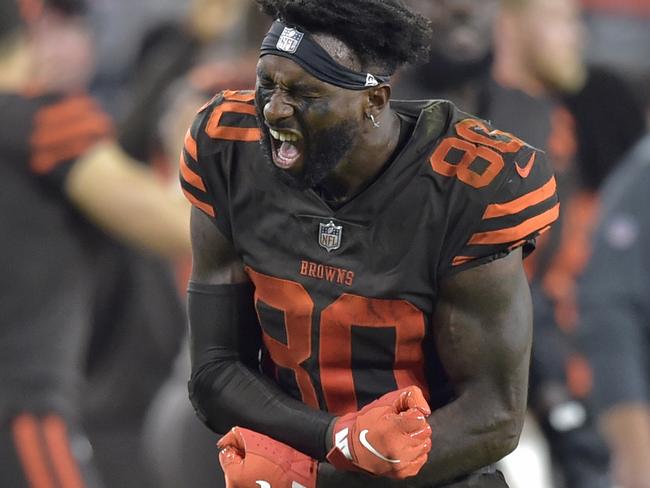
(86, 124)
(232, 133)
(522, 241)
(30, 451)
(190, 176)
(238, 96)
(235, 107)
(523, 202)
(237, 134)
(190, 145)
(56, 438)
(45, 161)
(458, 260)
(66, 108)
(199, 204)
(510, 234)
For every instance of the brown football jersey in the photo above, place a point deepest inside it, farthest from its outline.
(345, 296)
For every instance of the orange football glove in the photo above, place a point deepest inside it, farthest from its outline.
(389, 437)
(252, 460)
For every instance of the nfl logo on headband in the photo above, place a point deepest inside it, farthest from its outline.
(289, 40)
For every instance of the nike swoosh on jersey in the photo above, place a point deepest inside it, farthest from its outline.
(263, 484)
(525, 171)
(365, 443)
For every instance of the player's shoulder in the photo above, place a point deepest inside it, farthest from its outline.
(485, 163)
(500, 192)
(209, 157)
(229, 117)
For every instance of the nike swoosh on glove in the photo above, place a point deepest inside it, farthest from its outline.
(252, 460)
(389, 437)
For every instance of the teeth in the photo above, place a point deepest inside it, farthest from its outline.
(283, 136)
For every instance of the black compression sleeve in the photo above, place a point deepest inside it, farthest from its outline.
(226, 387)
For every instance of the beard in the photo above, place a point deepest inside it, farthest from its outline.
(322, 152)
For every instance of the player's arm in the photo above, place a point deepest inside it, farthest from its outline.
(128, 201)
(483, 331)
(225, 386)
(483, 327)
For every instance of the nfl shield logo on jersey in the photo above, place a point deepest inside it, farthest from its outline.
(329, 236)
(289, 40)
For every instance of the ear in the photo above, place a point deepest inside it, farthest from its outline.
(378, 98)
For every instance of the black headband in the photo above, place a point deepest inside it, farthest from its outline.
(301, 48)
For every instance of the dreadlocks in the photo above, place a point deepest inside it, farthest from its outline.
(383, 33)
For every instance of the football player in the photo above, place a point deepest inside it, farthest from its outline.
(358, 309)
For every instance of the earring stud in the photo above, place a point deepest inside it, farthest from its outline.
(372, 119)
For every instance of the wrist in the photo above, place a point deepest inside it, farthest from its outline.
(340, 453)
(329, 436)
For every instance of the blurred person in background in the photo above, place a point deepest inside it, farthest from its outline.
(520, 65)
(118, 29)
(137, 314)
(538, 47)
(168, 51)
(67, 185)
(614, 331)
(140, 324)
(619, 36)
(61, 44)
(179, 448)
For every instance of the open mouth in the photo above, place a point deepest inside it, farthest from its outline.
(287, 148)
